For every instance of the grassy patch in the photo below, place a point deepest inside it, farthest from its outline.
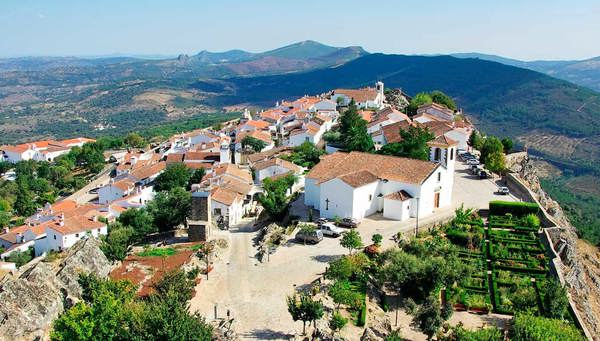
(157, 252)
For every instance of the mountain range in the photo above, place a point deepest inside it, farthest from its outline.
(582, 72)
(42, 97)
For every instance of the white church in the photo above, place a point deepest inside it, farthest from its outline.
(358, 185)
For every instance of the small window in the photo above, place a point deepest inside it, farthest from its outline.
(452, 154)
(76, 235)
(439, 177)
(370, 197)
(54, 237)
(99, 230)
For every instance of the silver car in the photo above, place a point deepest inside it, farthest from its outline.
(312, 237)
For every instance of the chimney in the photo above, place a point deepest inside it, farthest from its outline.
(95, 218)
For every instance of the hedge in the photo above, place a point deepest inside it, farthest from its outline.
(362, 319)
(534, 328)
(500, 208)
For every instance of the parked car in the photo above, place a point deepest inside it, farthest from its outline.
(349, 222)
(475, 169)
(329, 229)
(483, 175)
(94, 190)
(322, 221)
(472, 162)
(503, 190)
(312, 237)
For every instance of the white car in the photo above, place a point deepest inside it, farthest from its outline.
(503, 190)
(329, 229)
(473, 162)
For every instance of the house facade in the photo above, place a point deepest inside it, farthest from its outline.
(357, 185)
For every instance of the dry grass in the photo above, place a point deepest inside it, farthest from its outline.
(557, 145)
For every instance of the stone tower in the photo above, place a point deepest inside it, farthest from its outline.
(200, 221)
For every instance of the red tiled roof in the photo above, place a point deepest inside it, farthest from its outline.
(359, 95)
(385, 167)
(399, 196)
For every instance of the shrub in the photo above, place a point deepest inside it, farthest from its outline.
(533, 328)
(362, 319)
(377, 239)
(532, 221)
(337, 321)
(514, 208)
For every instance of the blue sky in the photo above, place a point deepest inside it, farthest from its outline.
(527, 30)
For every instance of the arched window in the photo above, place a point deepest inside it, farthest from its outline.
(437, 155)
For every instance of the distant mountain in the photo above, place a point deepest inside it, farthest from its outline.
(582, 72)
(307, 49)
(503, 99)
(223, 57)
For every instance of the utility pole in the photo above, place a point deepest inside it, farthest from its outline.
(417, 226)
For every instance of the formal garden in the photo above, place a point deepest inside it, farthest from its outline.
(465, 264)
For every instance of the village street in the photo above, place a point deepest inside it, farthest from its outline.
(255, 292)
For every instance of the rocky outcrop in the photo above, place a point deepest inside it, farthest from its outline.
(32, 298)
(579, 262)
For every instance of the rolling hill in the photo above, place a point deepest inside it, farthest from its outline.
(582, 72)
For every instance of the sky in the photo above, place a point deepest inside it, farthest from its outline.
(526, 30)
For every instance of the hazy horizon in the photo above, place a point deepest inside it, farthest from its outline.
(535, 30)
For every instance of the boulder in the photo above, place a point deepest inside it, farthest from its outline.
(35, 296)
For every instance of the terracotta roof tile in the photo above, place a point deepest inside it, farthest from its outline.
(386, 167)
(399, 196)
(359, 95)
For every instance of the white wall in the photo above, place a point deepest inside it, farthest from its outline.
(312, 193)
(58, 242)
(269, 172)
(396, 210)
(109, 193)
(365, 200)
(340, 197)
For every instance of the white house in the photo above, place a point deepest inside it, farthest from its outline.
(436, 111)
(63, 233)
(228, 204)
(364, 98)
(273, 167)
(360, 184)
(115, 190)
(325, 105)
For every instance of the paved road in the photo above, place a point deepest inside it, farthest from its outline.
(83, 196)
(255, 293)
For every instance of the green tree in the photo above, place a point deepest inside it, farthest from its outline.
(105, 314)
(21, 258)
(342, 293)
(443, 99)
(496, 162)
(508, 145)
(556, 302)
(170, 209)
(140, 220)
(337, 321)
(428, 318)
(24, 204)
(5, 167)
(420, 99)
(134, 140)
(349, 119)
(115, 244)
(196, 177)
(4, 219)
(412, 145)
(253, 143)
(491, 145)
(475, 140)
(274, 199)
(351, 240)
(175, 175)
(358, 139)
(304, 309)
